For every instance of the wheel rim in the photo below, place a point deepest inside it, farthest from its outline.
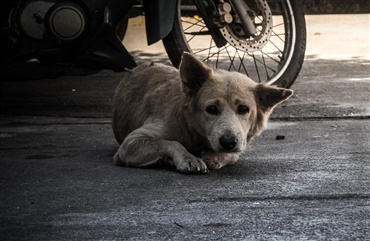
(264, 62)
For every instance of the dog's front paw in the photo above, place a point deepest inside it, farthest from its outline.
(213, 161)
(216, 160)
(192, 165)
(117, 160)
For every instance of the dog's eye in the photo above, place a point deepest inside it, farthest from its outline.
(242, 109)
(212, 110)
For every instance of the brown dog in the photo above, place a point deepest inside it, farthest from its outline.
(194, 118)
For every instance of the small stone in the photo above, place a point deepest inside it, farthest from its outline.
(280, 137)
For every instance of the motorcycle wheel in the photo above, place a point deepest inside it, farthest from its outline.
(275, 56)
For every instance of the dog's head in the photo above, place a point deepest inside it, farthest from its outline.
(227, 108)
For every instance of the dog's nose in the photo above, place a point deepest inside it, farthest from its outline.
(228, 142)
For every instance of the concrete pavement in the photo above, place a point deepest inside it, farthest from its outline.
(57, 180)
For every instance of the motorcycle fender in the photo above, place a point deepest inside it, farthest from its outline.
(159, 17)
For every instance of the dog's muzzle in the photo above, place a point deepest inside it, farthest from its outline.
(228, 142)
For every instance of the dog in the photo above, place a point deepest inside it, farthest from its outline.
(195, 119)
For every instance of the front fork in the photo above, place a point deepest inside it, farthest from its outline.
(217, 13)
(245, 15)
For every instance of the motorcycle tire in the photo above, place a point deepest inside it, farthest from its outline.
(277, 61)
(121, 27)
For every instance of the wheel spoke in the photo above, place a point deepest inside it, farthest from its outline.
(277, 25)
(263, 53)
(198, 33)
(232, 60)
(259, 61)
(277, 35)
(242, 63)
(255, 64)
(218, 56)
(202, 50)
(276, 46)
(193, 24)
(195, 35)
(218, 52)
(210, 47)
(264, 63)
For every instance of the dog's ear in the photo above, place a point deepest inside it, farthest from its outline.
(193, 73)
(267, 97)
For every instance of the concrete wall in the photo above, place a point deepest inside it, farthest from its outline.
(336, 6)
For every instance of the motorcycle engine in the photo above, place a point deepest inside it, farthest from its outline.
(44, 19)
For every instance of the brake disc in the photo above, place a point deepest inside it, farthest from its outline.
(263, 25)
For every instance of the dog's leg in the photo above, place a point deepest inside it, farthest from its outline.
(141, 148)
(216, 160)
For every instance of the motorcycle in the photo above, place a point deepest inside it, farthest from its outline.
(264, 39)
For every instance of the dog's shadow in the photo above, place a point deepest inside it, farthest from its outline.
(243, 168)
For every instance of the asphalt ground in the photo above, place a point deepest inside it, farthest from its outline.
(307, 177)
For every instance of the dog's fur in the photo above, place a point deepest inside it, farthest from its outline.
(194, 118)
